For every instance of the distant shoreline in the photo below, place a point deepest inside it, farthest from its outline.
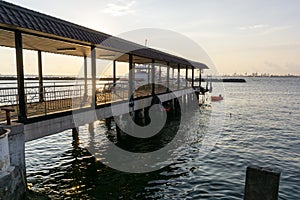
(214, 79)
(63, 78)
(271, 76)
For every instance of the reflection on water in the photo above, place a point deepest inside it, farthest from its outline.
(261, 127)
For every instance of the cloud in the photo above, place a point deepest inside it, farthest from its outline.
(275, 29)
(262, 29)
(256, 26)
(120, 8)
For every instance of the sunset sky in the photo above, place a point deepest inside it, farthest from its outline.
(239, 36)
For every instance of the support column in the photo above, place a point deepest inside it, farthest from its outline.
(22, 115)
(200, 77)
(93, 61)
(173, 74)
(131, 80)
(40, 70)
(193, 77)
(131, 77)
(153, 77)
(186, 76)
(178, 77)
(114, 72)
(85, 77)
(168, 76)
(159, 73)
(148, 73)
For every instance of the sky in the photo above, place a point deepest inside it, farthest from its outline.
(239, 36)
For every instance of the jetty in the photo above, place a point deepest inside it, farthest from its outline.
(29, 112)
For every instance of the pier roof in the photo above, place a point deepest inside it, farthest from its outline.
(50, 34)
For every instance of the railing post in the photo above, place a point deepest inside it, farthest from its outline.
(22, 115)
(54, 89)
(7, 114)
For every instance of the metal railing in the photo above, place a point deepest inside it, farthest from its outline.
(57, 97)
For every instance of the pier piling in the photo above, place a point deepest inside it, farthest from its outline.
(108, 123)
(261, 183)
(75, 135)
(91, 127)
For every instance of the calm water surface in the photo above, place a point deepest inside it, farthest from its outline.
(263, 130)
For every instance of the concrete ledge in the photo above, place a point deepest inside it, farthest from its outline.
(44, 128)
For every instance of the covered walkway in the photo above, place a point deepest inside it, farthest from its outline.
(21, 28)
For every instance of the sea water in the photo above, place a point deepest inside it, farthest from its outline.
(261, 127)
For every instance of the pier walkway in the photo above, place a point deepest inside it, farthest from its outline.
(43, 109)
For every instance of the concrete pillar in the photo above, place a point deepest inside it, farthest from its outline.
(91, 127)
(16, 140)
(261, 183)
(119, 134)
(108, 123)
(75, 135)
(177, 108)
(140, 117)
(173, 106)
(13, 183)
